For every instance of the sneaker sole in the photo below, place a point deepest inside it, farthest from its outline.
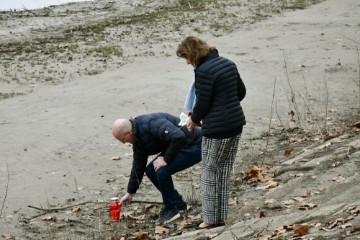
(172, 219)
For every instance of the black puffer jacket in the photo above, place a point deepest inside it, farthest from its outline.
(157, 133)
(219, 90)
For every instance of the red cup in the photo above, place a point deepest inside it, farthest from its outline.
(115, 209)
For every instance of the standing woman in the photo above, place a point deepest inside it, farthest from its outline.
(219, 90)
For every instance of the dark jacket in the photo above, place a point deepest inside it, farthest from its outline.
(219, 90)
(157, 133)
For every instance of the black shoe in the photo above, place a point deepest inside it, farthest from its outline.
(182, 206)
(167, 216)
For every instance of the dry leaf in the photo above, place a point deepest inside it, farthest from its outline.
(339, 179)
(116, 158)
(355, 129)
(8, 236)
(142, 217)
(254, 174)
(161, 230)
(356, 229)
(308, 206)
(260, 214)
(117, 238)
(182, 224)
(233, 202)
(325, 145)
(287, 202)
(264, 238)
(211, 236)
(307, 194)
(49, 218)
(288, 152)
(353, 210)
(279, 231)
(269, 201)
(132, 225)
(357, 125)
(336, 222)
(301, 230)
(75, 209)
(345, 225)
(141, 235)
(272, 184)
(107, 222)
(299, 199)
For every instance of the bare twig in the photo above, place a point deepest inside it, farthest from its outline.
(358, 58)
(272, 102)
(59, 209)
(326, 104)
(293, 99)
(6, 190)
(76, 188)
(358, 43)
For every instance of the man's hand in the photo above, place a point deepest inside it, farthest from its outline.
(126, 199)
(159, 163)
(190, 124)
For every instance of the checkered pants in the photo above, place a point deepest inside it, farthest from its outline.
(218, 157)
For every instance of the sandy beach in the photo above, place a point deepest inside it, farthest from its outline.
(68, 71)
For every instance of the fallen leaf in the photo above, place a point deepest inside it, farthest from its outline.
(301, 230)
(141, 235)
(268, 201)
(336, 222)
(142, 217)
(75, 209)
(346, 225)
(233, 202)
(161, 230)
(264, 238)
(183, 224)
(8, 236)
(355, 129)
(49, 218)
(325, 145)
(288, 152)
(339, 179)
(357, 125)
(299, 199)
(307, 194)
(254, 174)
(211, 236)
(132, 225)
(260, 214)
(308, 206)
(287, 202)
(356, 229)
(117, 238)
(272, 184)
(107, 222)
(116, 158)
(278, 231)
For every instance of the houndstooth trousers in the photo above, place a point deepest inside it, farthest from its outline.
(218, 157)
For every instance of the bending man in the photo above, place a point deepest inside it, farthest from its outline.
(176, 148)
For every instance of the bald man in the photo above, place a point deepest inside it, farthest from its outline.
(176, 147)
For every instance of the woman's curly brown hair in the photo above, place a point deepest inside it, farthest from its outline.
(194, 49)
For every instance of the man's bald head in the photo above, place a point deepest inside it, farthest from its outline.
(120, 127)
